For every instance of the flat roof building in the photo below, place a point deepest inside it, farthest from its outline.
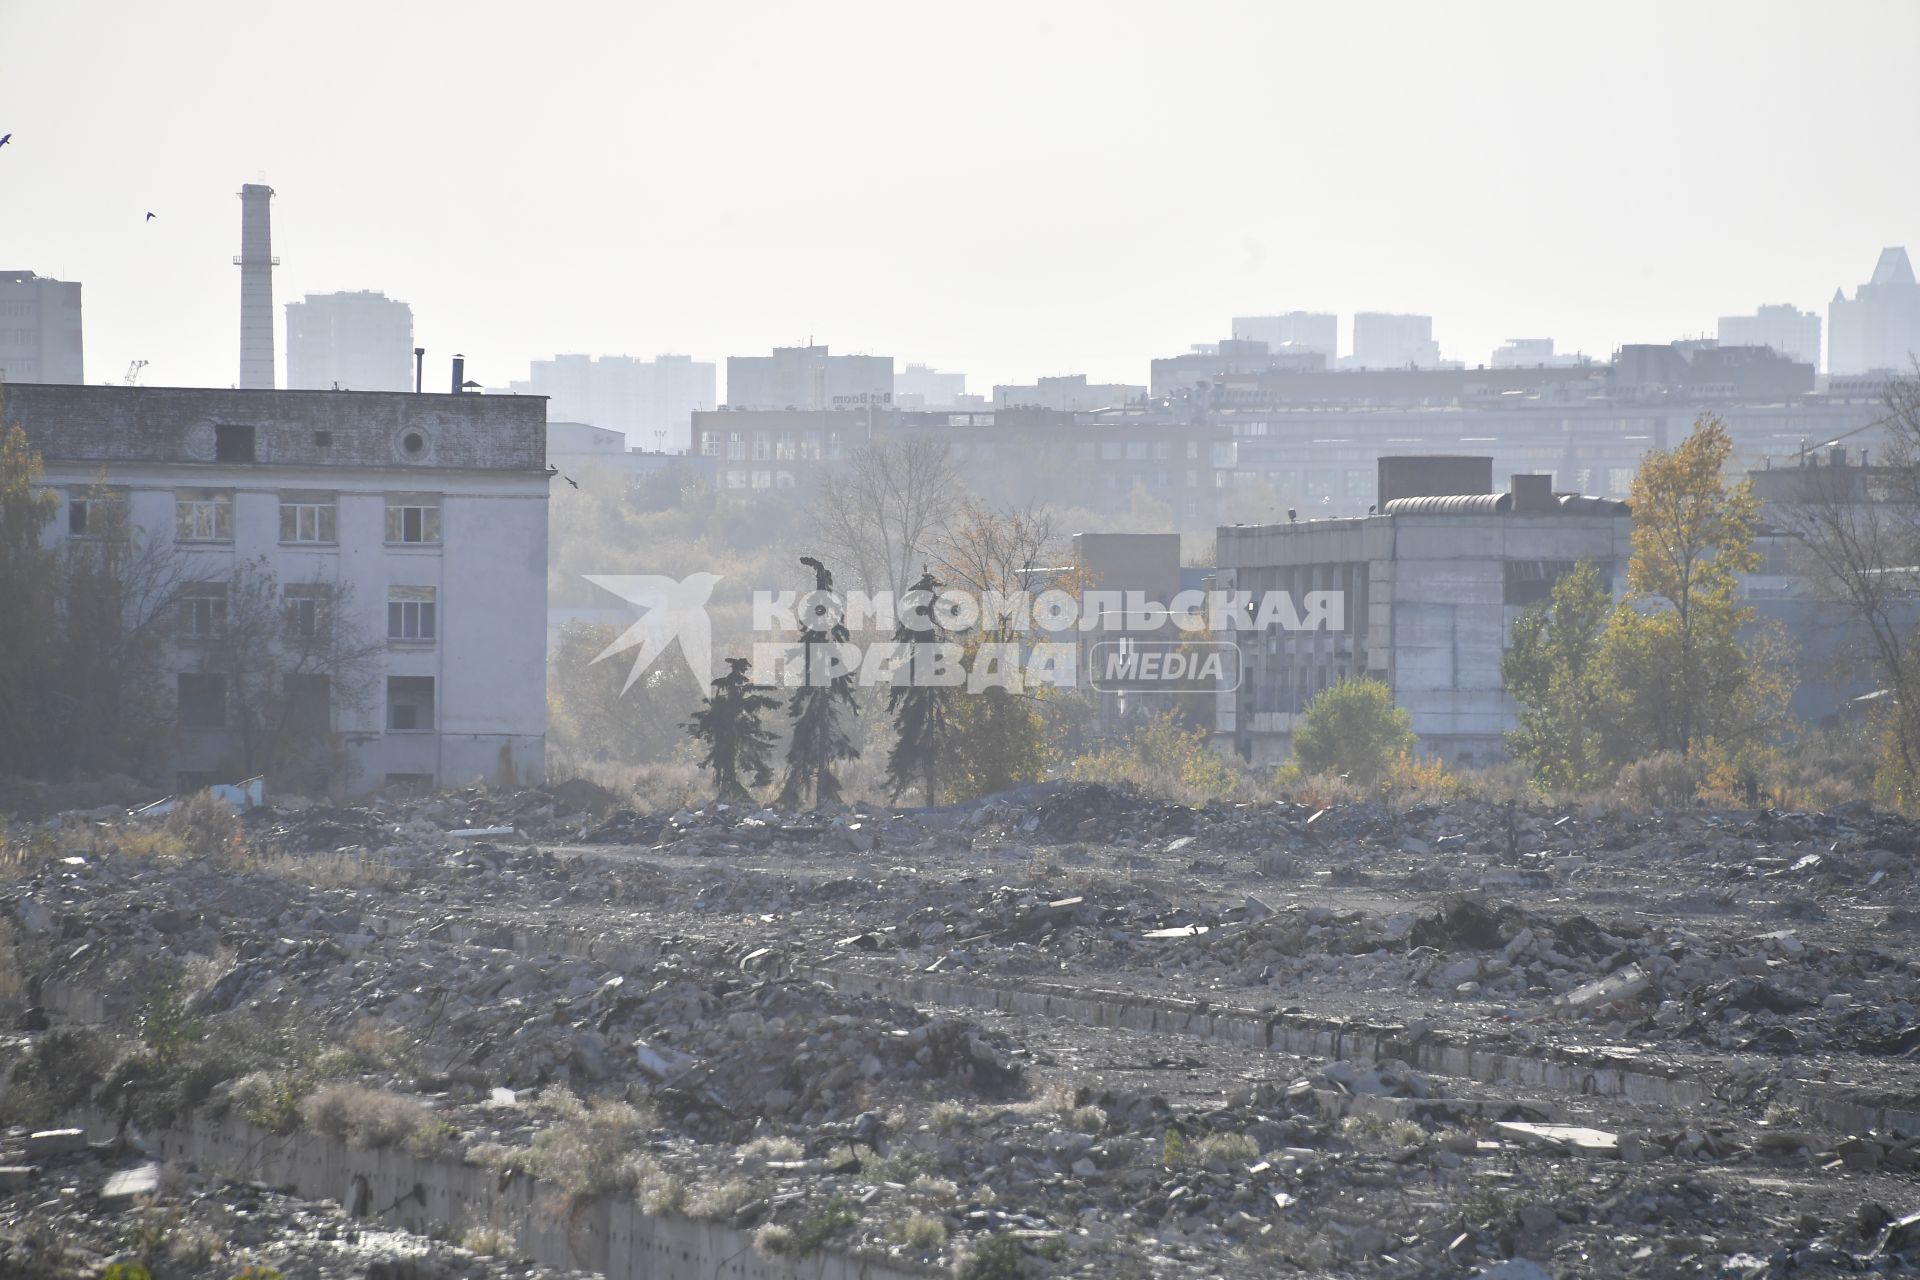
(418, 522)
(40, 337)
(358, 341)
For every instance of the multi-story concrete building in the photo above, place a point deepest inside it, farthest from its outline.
(1531, 353)
(358, 341)
(1787, 329)
(651, 402)
(920, 386)
(39, 329)
(1382, 340)
(1210, 362)
(1313, 331)
(415, 522)
(809, 378)
(1878, 329)
(1069, 393)
(1430, 588)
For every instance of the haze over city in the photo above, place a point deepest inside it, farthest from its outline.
(1007, 190)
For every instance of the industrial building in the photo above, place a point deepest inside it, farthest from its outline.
(1431, 587)
(357, 341)
(416, 522)
(40, 339)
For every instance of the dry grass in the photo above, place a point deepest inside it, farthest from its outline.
(488, 1242)
(206, 825)
(1231, 1148)
(588, 1151)
(719, 1201)
(923, 1232)
(760, 1150)
(363, 1117)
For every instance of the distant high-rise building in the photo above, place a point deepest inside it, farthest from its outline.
(1294, 331)
(39, 329)
(651, 402)
(921, 386)
(1385, 341)
(1532, 353)
(361, 341)
(808, 378)
(1880, 328)
(1782, 326)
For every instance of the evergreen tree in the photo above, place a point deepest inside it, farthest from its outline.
(921, 709)
(729, 724)
(818, 741)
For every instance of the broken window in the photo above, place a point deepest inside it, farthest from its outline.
(1530, 582)
(413, 520)
(308, 517)
(203, 515)
(200, 611)
(97, 513)
(232, 443)
(202, 701)
(409, 704)
(410, 613)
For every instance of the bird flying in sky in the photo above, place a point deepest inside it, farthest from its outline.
(149, 215)
(5, 138)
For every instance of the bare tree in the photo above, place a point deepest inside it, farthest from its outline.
(1859, 532)
(289, 659)
(885, 509)
(1005, 550)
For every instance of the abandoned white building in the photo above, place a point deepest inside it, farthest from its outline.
(419, 520)
(1431, 588)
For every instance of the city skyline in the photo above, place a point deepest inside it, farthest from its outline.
(491, 199)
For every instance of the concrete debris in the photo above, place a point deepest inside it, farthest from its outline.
(1117, 1034)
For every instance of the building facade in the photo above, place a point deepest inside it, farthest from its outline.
(358, 341)
(1878, 329)
(1382, 340)
(651, 402)
(920, 386)
(1787, 329)
(809, 378)
(1430, 589)
(1069, 393)
(40, 337)
(416, 524)
(1318, 332)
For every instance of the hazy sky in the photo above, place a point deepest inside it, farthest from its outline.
(1009, 190)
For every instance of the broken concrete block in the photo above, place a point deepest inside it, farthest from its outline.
(1560, 1137)
(1624, 984)
(13, 1177)
(129, 1184)
(49, 1143)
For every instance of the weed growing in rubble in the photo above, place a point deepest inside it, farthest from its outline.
(923, 1231)
(763, 1149)
(945, 1117)
(1088, 1119)
(270, 1100)
(363, 1117)
(1173, 1150)
(902, 1168)
(433, 1140)
(1395, 1133)
(587, 1152)
(811, 1232)
(938, 1190)
(719, 1201)
(998, 1257)
(774, 1240)
(488, 1242)
(57, 1074)
(1227, 1147)
(206, 824)
(1781, 1115)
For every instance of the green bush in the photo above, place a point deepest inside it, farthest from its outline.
(1354, 730)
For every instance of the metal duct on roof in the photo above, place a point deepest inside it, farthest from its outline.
(1583, 504)
(1459, 504)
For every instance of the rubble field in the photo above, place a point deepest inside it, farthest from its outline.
(1068, 1031)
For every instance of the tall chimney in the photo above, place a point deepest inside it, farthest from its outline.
(459, 372)
(256, 262)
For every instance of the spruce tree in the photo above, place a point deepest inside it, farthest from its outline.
(819, 741)
(729, 724)
(921, 709)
